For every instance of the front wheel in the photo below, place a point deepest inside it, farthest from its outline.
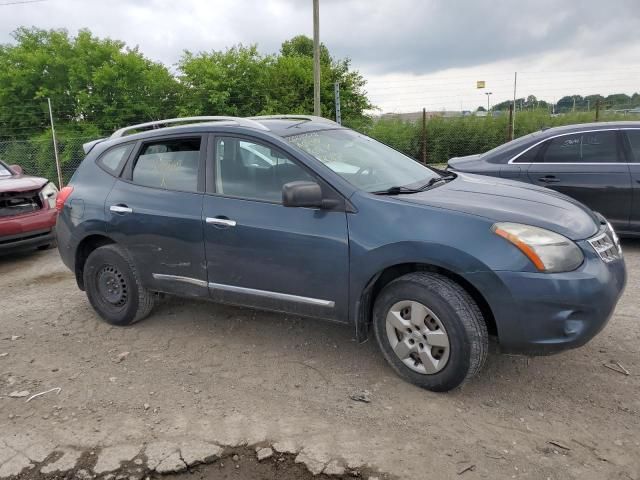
(430, 331)
(113, 286)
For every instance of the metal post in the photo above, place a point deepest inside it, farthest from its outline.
(510, 129)
(424, 135)
(337, 99)
(316, 58)
(55, 146)
(513, 118)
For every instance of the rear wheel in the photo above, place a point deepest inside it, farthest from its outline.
(113, 286)
(430, 331)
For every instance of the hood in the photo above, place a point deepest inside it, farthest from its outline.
(502, 200)
(460, 162)
(21, 183)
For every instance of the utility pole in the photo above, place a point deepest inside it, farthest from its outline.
(574, 104)
(55, 146)
(598, 110)
(337, 99)
(316, 58)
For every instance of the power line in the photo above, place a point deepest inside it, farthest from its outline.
(21, 2)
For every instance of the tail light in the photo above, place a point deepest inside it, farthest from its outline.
(62, 197)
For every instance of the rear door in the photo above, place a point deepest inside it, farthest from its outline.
(591, 167)
(262, 254)
(633, 156)
(155, 212)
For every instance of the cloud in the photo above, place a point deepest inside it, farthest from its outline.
(400, 36)
(393, 42)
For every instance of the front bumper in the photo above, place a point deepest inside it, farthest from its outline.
(540, 313)
(27, 231)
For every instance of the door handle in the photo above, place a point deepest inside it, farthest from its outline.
(224, 222)
(120, 209)
(549, 179)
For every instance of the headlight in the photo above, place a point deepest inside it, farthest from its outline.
(49, 193)
(548, 251)
(614, 237)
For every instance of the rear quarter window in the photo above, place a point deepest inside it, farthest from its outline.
(113, 159)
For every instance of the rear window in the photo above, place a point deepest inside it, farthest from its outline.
(530, 155)
(169, 164)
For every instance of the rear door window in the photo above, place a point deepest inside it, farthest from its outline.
(582, 147)
(169, 164)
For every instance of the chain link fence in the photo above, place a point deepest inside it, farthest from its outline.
(434, 142)
(36, 156)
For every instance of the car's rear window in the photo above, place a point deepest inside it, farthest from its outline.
(4, 171)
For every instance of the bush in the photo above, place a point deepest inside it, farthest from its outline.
(449, 137)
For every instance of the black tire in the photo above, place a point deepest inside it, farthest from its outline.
(458, 313)
(113, 287)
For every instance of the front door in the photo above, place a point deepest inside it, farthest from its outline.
(155, 212)
(589, 167)
(262, 254)
(633, 156)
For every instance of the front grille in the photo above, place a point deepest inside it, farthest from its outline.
(605, 246)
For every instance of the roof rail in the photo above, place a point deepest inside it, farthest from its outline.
(312, 118)
(245, 122)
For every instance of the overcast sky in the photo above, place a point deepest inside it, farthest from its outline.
(413, 53)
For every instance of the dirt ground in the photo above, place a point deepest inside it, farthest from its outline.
(197, 382)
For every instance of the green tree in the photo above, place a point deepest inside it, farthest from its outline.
(89, 80)
(230, 82)
(240, 81)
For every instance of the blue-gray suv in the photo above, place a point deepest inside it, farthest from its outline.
(297, 214)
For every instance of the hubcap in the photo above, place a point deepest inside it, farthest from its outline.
(112, 286)
(418, 337)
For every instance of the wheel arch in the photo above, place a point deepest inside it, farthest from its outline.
(364, 307)
(87, 245)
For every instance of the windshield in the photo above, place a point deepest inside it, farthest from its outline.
(4, 170)
(364, 162)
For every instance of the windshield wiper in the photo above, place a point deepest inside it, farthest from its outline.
(396, 191)
(434, 180)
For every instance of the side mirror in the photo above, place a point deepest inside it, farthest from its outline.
(302, 194)
(17, 169)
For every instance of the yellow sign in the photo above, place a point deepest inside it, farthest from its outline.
(480, 84)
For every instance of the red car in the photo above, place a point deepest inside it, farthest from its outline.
(27, 210)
